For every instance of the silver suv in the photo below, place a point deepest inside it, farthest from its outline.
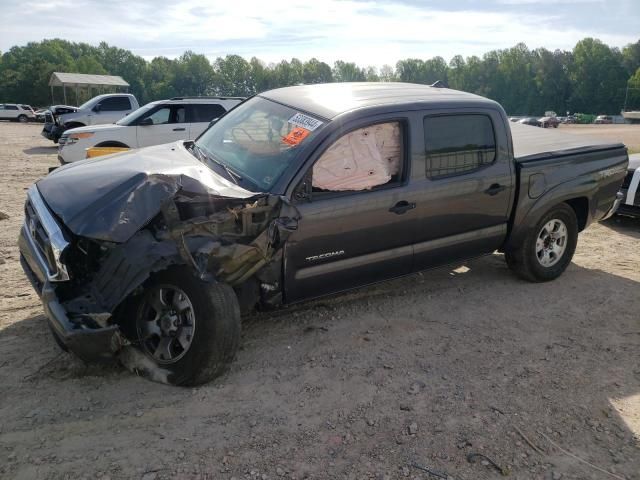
(16, 112)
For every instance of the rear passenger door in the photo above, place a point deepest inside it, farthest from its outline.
(356, 222)
(163, 124)
(199, 116)
(466, 187)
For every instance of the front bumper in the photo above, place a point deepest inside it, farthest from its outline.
(51, 131)
(79, 334)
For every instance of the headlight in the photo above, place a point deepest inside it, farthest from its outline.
(74, 137)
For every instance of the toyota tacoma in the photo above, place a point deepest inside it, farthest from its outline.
(297, 193)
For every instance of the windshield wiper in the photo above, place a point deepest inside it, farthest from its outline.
(200, 153)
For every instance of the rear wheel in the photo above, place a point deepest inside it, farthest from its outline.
(548, 248)
(189, 329)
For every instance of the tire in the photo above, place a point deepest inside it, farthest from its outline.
(58, 340)
(23, 119)
(545, 256)
(207, 336)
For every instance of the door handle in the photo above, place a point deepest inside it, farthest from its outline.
(179, 129)
(402, 207)
(495, 189)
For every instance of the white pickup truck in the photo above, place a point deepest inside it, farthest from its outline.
(99, 110)
(164, 121)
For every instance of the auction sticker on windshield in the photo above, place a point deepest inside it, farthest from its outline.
(295, 136)
(305, 121)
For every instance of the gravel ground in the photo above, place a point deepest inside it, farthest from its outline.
(423, 370)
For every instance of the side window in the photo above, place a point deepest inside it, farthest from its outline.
(178, 114)
(363, 159)
(115, 104)
(159, 117)
(203, 112)
(166, 114)
(11, 107)
(458, 144)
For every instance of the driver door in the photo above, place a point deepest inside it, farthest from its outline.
(165, 124)
(356, 225)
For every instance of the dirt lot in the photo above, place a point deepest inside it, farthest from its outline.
(425, 370)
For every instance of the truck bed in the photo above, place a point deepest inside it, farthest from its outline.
(533, 143)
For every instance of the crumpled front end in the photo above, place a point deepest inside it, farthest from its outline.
(84, 282)
(43, 243)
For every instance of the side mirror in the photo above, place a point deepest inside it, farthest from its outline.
(96, 108)
(213, 122)
(145, 122)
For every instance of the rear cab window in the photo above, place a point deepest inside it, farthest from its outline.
(457, 144)
(115, 104)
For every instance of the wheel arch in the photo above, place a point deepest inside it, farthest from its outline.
(580, 206)
(112, 143)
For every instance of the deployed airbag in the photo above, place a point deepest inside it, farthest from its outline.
(361, 159)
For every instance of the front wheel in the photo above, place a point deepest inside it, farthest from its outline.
(23, 119)
(548, 248)
(187, 328)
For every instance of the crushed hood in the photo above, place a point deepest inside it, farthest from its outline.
(62, 109)
(111, 198)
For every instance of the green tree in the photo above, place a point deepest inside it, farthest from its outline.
(194, 75)
(598, 79)
(315, 71)
(233, 77)
(348, 72)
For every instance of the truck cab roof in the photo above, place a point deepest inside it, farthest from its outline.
(332, 99)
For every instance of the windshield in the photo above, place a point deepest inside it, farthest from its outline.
(87, 104)
(136, 114)
(258, 140)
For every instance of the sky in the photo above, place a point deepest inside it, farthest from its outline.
(363, 31)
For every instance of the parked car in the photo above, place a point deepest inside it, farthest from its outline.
(16, 112)
(292, 196)
(570, 119)
(181, 118)
(603, 119)
(548, 122)
(99, 110)
(630, 205)
(529, 121)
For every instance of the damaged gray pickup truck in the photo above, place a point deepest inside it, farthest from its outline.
(297, 193)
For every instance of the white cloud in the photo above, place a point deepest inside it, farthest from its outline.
(367, 32)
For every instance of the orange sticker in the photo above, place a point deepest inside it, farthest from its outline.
(295, 136)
